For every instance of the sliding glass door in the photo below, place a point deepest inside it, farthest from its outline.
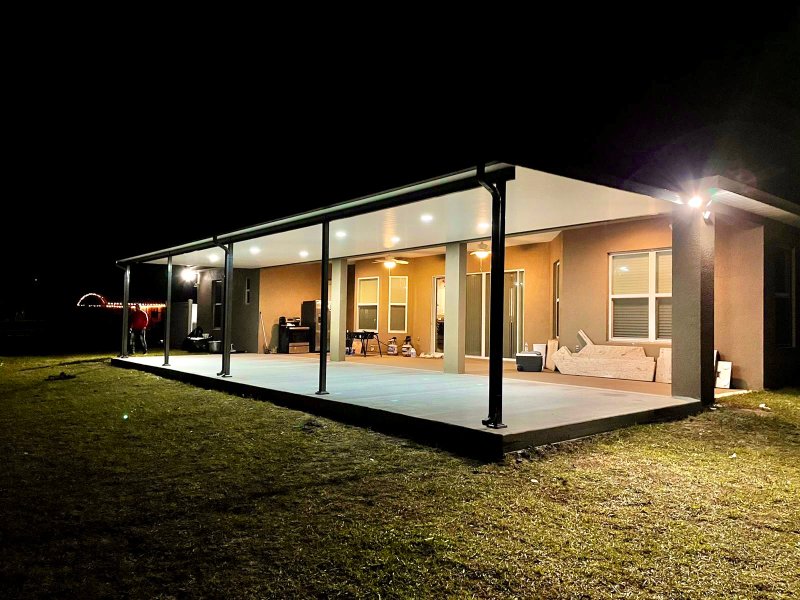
(478, 307)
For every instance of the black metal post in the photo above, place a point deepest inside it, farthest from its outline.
(169, 311)
(126, 287)
(497, 307)
(323, 314)
(227, 309)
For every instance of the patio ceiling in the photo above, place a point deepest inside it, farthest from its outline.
(536, 202)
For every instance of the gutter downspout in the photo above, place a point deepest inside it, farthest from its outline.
(498, 192)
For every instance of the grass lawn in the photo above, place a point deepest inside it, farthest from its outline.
(120, 484)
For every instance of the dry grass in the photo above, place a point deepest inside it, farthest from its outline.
(199, 493)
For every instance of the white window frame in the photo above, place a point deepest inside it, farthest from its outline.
(652, 296)
(247, 290)
(391, 304)
(376, 304)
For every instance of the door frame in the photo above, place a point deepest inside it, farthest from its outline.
(520, 309)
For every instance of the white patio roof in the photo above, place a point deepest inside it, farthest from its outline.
(537, 202)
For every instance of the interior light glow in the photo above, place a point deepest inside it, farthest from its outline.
(624, 269)
(303, 253)
(426, 218)
(341, 234)
(389, 264)
(695, 201)
(188, 275)
(255, 250)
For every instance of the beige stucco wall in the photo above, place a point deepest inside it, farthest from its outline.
(535, 259)
(584, 274)
(739, 299)
(283, 290)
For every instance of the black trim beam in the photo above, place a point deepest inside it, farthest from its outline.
(323, 311)
(496, 304)
(227, 310)
(355, 208)
(169, 312)
(126, 288)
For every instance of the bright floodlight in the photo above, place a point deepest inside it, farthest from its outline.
(188, 275)
(426, 218)
(695, 201)
(303, 253)
(341, 234)
(254, 249)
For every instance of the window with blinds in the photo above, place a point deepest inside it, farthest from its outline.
(367, 310)
(398, 304)
(640, 306)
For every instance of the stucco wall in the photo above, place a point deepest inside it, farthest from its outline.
(780, 364)
(204, 301)
(584, 274)
(244, 318)
(283, 290)
(535, 259)
(738, 299)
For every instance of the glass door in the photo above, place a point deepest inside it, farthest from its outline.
(478, 313)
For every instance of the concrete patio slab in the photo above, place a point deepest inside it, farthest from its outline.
(437, 408)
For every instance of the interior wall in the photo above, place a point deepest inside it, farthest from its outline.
(739, 300)
(584, 274)
(282, 291)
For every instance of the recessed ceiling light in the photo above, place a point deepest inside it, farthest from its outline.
(341, 234)
(213, 257)
(303, 253)
(426, 218)
(484, 226)
(254, 249)
(395, 239)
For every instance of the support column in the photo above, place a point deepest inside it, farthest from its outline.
(323, 311)
(169, 311)
(455, 307)
(227, 309)
(693, 373)
(126, 288)
(497, 307)
(338, 308)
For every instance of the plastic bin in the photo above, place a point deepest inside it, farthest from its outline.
(215, 346)
(529, 361)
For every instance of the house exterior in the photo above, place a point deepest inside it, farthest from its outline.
(711, 266)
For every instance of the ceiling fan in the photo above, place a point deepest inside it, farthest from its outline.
(391, 262)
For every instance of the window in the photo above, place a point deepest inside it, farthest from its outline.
(785, 300)
(640, 306)
(216, 293)
(556, 298)
(367, 310)
(247, 290)
(398, 304)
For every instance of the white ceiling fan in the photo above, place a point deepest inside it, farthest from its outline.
(390, 262)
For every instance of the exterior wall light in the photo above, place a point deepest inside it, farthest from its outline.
(695, 201)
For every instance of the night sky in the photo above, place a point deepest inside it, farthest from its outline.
(114, 161)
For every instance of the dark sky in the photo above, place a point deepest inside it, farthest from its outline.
(116, 157)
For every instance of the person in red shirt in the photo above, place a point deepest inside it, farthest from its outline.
(138, 330)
